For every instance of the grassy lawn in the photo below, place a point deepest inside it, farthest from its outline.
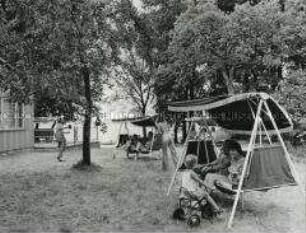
(37, 192)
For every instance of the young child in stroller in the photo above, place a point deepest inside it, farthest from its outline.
(194, 195)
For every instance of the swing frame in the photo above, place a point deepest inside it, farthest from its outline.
(182, 157)
(258, 129)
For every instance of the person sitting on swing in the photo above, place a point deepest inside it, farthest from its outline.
(223, 163)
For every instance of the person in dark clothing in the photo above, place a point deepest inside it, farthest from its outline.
(232, 144)
(222, 163)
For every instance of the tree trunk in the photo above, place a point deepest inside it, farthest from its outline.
(246, 81)
(229, 80)
(175, 132)
(184, 129)
(87, 117)
(144, 129)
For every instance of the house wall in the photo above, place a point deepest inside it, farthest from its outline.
(119, 109)
(16, 125)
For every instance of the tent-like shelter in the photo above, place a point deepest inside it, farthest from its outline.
(254, 114)
(145, 121)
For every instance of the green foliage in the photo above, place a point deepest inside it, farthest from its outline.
(194, 53)
(58, 50)
(224, 53)
(59, 38)
(252, 40)
(146, 37)
(292, 94)
(293, 32)
(133, 71)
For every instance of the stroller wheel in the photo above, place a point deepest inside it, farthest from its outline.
(194, 220)
(179, 214)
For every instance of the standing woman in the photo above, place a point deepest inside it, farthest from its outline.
(60, 138)
(164, 129)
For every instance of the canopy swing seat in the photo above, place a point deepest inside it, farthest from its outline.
(266, 165)
(149, 144)
(267, 168)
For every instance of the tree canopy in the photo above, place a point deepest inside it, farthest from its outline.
(61, 49)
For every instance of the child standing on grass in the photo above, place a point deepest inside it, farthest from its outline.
(192, 183)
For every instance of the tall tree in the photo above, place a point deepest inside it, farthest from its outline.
(251, 38)
(291, 93)
(134, 70)
(195, 49)
(62, 45)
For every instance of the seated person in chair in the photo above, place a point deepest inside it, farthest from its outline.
(132, 146)
(223, 163)
(236, 167)
(192, 182)
(135, 146)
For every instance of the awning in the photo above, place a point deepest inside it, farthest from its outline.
(147, 121)
(236, 113)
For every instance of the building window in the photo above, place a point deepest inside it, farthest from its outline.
(12, 114)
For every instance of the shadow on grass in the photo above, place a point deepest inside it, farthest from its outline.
(147, 158)
(81, 166)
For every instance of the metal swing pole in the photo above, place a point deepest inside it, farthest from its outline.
(153, 138)
(262, 123)
(179, 162)
(206, 151)
(217, 151)
(250, 148)
(265, 129)
(198, 149)
(152, 143)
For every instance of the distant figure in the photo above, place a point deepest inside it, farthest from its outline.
(167, 142)
(149, 142)
(132, 145)
(75, 134)
(60, 138)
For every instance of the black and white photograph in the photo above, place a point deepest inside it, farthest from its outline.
(152, 116)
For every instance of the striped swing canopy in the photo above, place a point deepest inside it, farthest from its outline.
(145, 121)
(235, 113)
(268, 166)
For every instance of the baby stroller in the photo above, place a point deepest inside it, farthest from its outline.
(192, 209)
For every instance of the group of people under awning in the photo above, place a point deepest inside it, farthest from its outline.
(136, 145)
